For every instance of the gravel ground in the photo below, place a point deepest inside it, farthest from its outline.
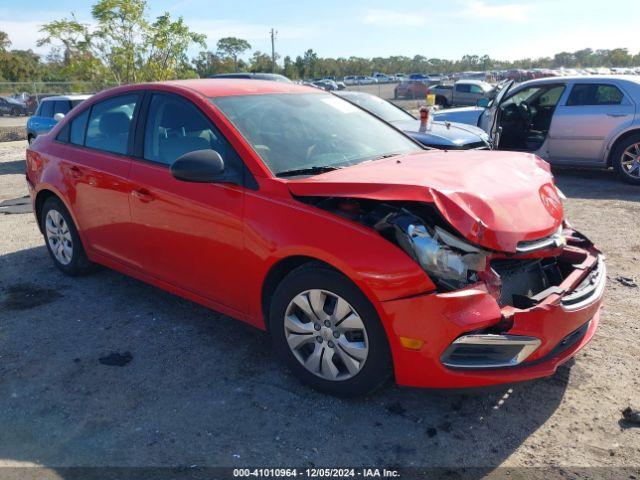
(204, 389)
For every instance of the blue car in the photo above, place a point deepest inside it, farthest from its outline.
(50, 111)
(442, 135)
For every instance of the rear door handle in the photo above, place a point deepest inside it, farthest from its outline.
(617, 114)
(143, 195)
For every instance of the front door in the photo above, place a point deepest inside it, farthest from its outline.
(580, 127)
(187, 234)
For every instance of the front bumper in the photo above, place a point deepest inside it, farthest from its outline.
(563, 320)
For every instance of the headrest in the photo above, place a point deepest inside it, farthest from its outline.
(114, 123)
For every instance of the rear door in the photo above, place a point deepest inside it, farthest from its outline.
(461, 93)
(94, 151)
(584, 120)
(188, 234)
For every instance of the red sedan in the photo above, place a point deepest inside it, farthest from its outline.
(363, 254)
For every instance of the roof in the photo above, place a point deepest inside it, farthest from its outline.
(254, 76)
(586, 78)
(66, 97)
(473, 81)
(222, 87)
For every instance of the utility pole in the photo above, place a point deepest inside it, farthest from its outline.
(273, 50)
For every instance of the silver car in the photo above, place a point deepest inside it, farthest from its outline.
(591, 121)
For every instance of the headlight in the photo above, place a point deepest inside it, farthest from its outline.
(449, 260)
(444, 256)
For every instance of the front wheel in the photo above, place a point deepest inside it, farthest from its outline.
(328, 333)
(626, 159)
(62, 239)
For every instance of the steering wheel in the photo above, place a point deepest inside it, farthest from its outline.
(525, 112)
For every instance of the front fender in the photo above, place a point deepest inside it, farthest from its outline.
(278, 229)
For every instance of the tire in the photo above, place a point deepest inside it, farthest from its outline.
(626, 159)
(370, 361)
(14, 112)
(62, 239)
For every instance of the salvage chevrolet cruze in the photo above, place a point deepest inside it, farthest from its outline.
(364, 255)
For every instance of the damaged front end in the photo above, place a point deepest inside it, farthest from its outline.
(562, 271)
(452, 262)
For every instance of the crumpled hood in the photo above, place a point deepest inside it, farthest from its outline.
(443, 134)
(494, 199)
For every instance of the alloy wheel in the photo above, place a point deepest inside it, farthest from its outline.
(326, 335)
(59, 237)
(630, 160)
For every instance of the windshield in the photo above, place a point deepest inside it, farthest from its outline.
(299, 131)
(379, 107)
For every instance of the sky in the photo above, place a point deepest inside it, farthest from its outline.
(502, 29)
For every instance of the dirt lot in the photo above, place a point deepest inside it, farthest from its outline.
(203, 389)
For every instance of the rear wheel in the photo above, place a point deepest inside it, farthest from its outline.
(328, 333)
(626, 159)
(62, 239)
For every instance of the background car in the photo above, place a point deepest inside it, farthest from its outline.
(326, 84)
(442, 135)
(411, 89)
(581, 121)
(50, 111)
(462, 92)
(11, 106)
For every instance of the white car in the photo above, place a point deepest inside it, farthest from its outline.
(588, 121)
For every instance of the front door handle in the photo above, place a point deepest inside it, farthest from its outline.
(617, 114)
(143, 195)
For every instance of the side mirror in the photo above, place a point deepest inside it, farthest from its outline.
(200, 166)
(482, 102)
(58, 116)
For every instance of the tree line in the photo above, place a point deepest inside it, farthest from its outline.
(126, 46)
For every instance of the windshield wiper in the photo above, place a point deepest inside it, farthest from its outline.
(315, 170)
(380, 157)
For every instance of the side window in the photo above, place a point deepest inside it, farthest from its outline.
(551, 97)
(175, 126)
(110, 123)
(595, 94)
(476, 89)
(78, 127)
(61, 106)
(463, 88)
(46, 109)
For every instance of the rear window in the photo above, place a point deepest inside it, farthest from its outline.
(78, 128)
(595, 94)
